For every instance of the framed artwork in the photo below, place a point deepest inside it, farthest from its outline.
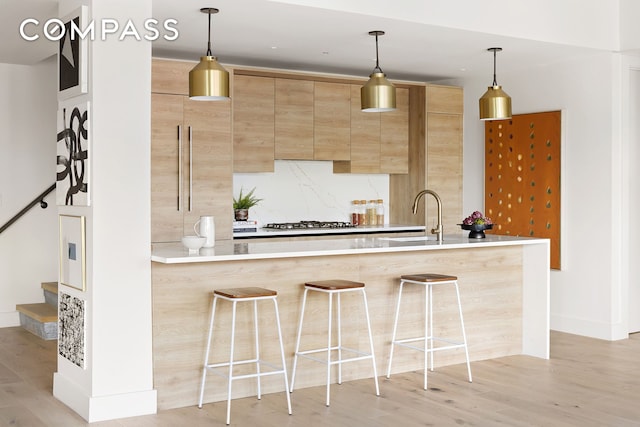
(72, 330)
(72, 251)
(72, 56)
(72, 155)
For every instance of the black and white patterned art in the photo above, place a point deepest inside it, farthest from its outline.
(72, 56)
(71, 329)
(72, 170)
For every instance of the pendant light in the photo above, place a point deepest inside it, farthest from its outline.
(209, 81)
(495, 104)
(378, 94)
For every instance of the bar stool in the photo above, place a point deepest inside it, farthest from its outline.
(332, 287)
(429, 281)
(235, 295)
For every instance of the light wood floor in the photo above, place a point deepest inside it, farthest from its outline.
(587, 382)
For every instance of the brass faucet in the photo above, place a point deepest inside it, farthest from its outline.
(438, 230)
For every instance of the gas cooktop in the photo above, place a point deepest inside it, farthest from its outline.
(305, 225)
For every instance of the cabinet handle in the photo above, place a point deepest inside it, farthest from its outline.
(190, 168)
(179, 168)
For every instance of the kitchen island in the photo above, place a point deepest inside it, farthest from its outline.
(504, 287)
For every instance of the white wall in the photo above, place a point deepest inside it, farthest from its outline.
(629, 28)
(631, 156)
(28, 249)
(309, 191)
(585, 294)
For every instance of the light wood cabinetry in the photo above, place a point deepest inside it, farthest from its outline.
(253, 123)
(190, 166)
(435, 160)
(293, 119)
(170, 76)
(379, 141)
(282, 117)
(332, 121)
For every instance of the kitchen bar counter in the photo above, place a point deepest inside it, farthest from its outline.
(504, 287)
(176, 253)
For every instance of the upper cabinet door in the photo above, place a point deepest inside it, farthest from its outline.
(394, 136)
(365, 137)
(294, 119)
(253, 123)
(332, 121)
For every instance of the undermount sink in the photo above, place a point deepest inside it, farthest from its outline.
(407, 239)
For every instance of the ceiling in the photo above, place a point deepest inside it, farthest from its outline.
(273, 34)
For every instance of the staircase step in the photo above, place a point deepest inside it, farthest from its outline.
(40, 319)
(50, 290)
(50, 286)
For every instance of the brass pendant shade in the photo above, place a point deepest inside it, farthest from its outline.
(208, 81)
(495, 104)
(378, 95)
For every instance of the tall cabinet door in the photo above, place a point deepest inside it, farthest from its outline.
(191, 166)
(207, 165)
(166, 167)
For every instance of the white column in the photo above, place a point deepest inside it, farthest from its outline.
(117, 380)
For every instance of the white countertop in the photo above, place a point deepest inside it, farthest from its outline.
(387, 228)
(230, 250)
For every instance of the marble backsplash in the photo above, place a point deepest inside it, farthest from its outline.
(309, 190)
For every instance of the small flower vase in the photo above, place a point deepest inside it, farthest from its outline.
(476, 231)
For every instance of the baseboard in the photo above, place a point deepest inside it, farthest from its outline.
(103, 408)
(9, 319)
(588, 328)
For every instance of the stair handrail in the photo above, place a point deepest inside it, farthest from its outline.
(38, 199)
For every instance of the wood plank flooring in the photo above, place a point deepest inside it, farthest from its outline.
(587, 382)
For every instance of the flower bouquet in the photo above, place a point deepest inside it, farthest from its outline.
(476, 223)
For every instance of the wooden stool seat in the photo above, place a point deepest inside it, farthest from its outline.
(429, 277)
(335, 285)
(252, 292)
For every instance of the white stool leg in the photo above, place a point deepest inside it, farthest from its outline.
(255, 322)
(206, 354)
(233, 337)
(295, 355)
(373, 358)
(395, 328)
(428, 320)
(431, 325)
(329, 348)
(339, 342)
(464, 335)
(284, 366)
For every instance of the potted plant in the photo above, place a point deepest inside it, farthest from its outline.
(243, 203)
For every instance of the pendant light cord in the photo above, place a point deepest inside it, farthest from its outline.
(495, 81)
(209, 41)
(377, 61)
